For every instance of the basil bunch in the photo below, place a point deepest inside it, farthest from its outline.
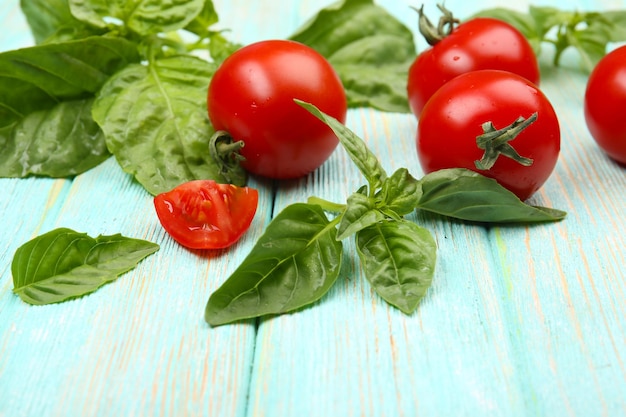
(298, 258)
(116, 78)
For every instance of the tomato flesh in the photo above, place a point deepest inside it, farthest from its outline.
(453, 118)
(604, 104)
(203, 214)
(251, 96)
(479, 43)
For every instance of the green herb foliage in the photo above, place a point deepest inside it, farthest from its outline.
(588, 33)
(63, 264)
(135, 59)
(127, 59)
(298, 257)
(370, 49)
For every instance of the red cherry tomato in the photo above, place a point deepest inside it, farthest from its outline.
(479, 43)
(251, 97)
(454, 116)
(605, 101)
(203, 214)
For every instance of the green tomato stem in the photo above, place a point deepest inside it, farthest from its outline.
(433, 34)
(495, 142)
(226, 154)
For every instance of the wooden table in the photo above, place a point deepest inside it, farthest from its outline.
(520, 321)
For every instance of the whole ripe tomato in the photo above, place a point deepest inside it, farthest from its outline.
(251, 97)
(479, 43)
(459, 112)
(604, 104)
(203, 214)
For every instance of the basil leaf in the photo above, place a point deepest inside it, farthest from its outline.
(398, 259)
(370, 49)
(155, 121)
(360, 213)
(144, 17)
(58, 142)
(467, 195)
(362, 157)
(214, 42)
(39, 77)
(206, 18)
(46, 18)
(63, 264)
(293, 264)
(400, 193)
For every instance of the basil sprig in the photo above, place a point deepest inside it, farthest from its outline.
(63, 264)
(298, 258)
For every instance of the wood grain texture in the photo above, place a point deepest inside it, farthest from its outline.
(520, 321)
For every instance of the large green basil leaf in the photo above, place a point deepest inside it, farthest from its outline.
(58, 142)
(155, 122)
(398, 259)
(363, 158)
(370, 49)
(467, 195)
(293, 264)
(144, 17)
(360, 212)
(63, 264)
(47, 17)
(39, 77)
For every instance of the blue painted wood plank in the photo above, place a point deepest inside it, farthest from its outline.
(139, 345)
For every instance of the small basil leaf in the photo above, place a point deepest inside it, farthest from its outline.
(360, 213)
(145, 17)
(294, 263)
(370, 49)
(39, 77)
(398, 259)
(63, 264)
(400, 192)
(467, 195)
(59, 142)
(155, 121)
(362, 157)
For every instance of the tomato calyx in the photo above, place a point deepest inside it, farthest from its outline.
(226, 154)
(432, 34)
(495, 142)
